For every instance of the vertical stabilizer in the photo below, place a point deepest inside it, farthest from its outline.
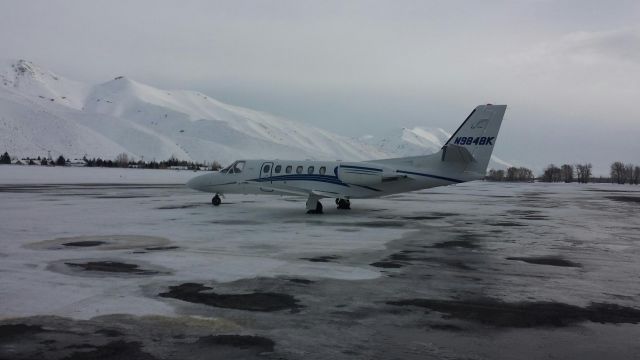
(478, 135)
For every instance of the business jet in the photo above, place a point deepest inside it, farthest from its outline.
(464, 157)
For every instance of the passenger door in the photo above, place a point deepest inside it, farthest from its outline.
(265, 173)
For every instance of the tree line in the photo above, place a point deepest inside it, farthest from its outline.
(625, 173)
(512, 174)
(620, 173)
(121, 161)
(567, 173)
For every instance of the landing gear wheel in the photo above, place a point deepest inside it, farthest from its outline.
(216, 200)
(343, 204)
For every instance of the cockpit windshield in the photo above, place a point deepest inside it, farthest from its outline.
(235, 168)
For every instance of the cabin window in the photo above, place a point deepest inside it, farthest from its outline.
(299, 170)
(289, 169)
(266, 168)
(310, 170)
(322, 170)
(277, 169)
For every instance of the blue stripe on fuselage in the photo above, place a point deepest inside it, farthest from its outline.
(429, 175)
(360, 168)
(303, 177)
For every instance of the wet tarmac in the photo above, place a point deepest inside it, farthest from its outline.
(476, 271)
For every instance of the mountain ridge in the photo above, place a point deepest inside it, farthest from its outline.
(42, 112)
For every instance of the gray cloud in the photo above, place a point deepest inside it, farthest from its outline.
(367, 66)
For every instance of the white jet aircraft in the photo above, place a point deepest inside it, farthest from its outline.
(464, 157)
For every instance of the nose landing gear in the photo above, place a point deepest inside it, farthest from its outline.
(216, 200)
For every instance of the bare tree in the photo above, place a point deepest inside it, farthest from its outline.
(519, 174)
(122, 160)
(495, 175)
(618, 173)
(215, 166)
(552, 174)
(583, 172)
(636, 175)
(567, 173)
(628, 173)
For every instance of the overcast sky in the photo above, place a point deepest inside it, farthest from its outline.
(569, 70)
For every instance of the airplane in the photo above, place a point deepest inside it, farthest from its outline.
(464, 157)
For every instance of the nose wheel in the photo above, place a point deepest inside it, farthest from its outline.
(216, 201)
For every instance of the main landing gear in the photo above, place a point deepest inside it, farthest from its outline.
(216, 200)
(343, 204)
(314, 206)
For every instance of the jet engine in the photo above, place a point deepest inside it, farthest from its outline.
(365, 175)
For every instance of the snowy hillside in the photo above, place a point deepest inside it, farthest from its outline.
(41, 111)
(410, 142)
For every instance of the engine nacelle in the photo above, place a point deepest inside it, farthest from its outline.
(358, 174)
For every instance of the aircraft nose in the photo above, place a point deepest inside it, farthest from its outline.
(198, 183)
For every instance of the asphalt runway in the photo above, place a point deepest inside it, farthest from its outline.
(473, 271)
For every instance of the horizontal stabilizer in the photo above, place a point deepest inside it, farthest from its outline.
(456, 153)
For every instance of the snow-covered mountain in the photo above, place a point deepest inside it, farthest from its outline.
(41, 111)
(419, 141)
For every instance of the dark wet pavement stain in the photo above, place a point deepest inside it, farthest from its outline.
(626, 199)
(380, 224)
(159, 248)
(17, 330)
(423, 217)
(137, 338)
(466, 244)
(111, 267)
(185, 206)
(534, 217)
(445, 327)
(301, 281)
(412, 258)
(119, 349)
(256, 301)
(235, 222)
(84, 243)
(256, 344)
(387, 264)
(525, 314)
(507, 223)
(324, 258)
(545, 260)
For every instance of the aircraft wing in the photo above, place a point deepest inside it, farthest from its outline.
(394, 178)
(329, 194)
(300, 192)
(289, 191)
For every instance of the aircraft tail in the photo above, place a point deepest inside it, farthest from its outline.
(474, 140)
(467, 153)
